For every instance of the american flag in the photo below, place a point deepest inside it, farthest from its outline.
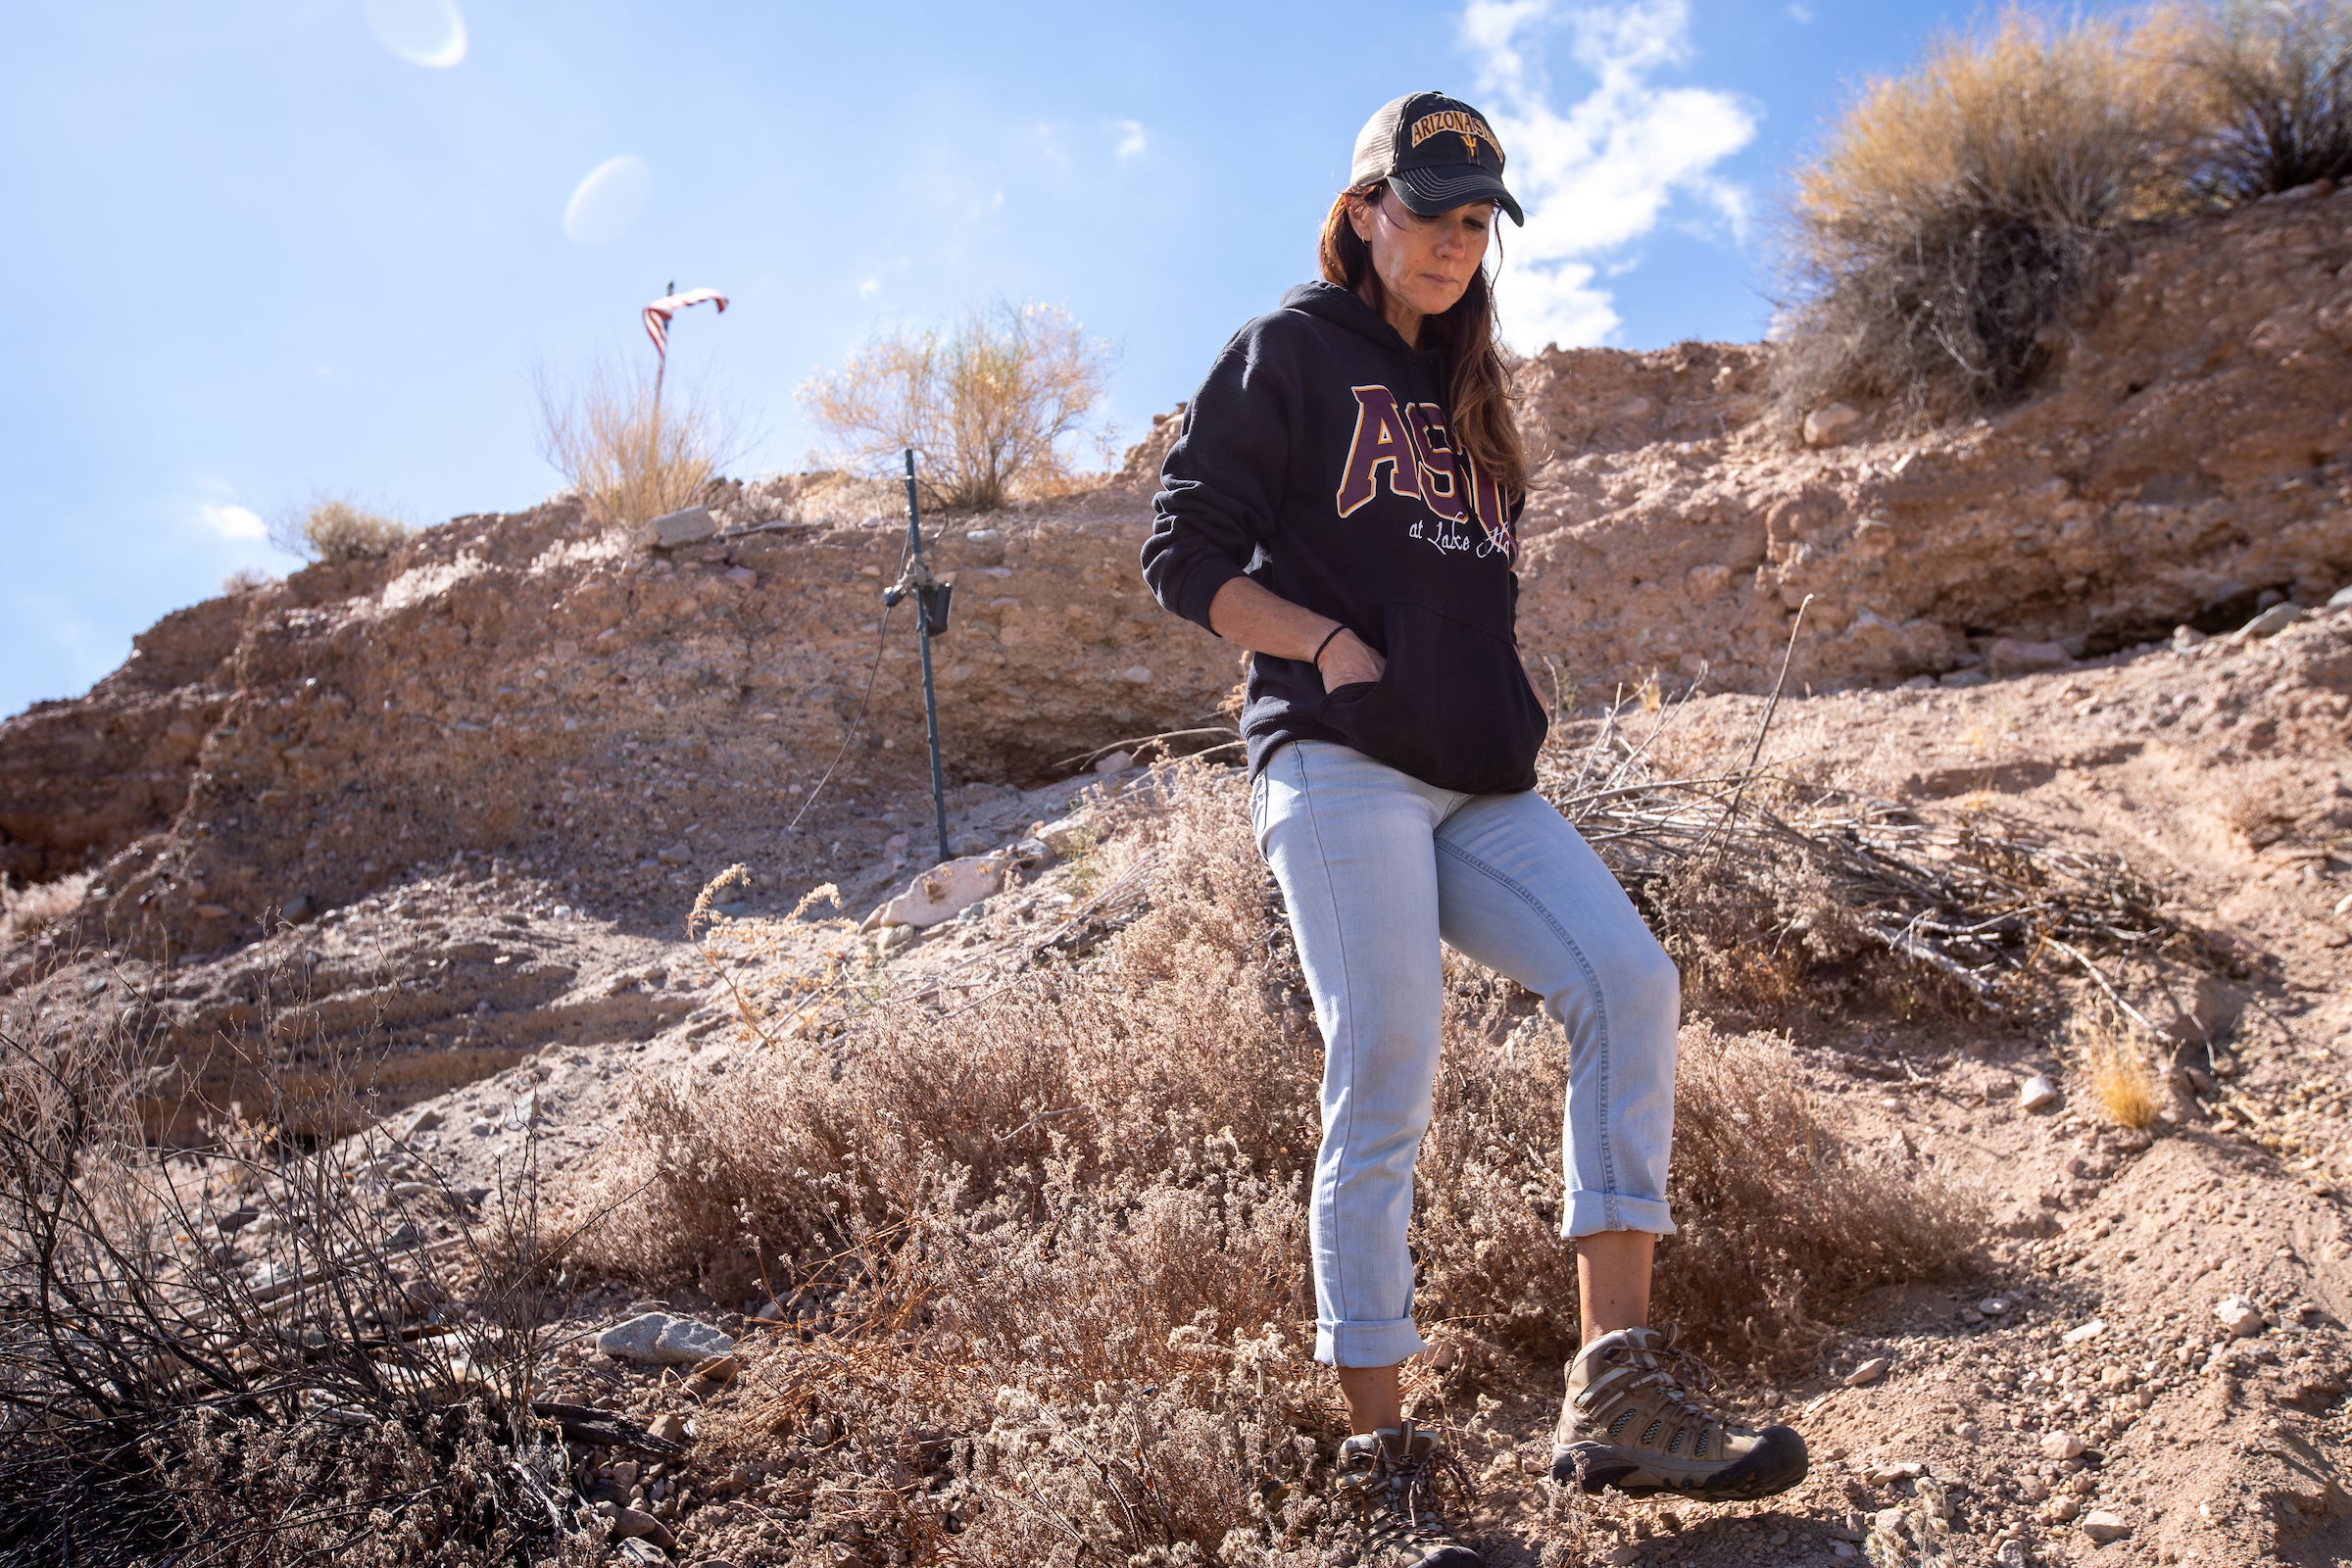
(657, 313)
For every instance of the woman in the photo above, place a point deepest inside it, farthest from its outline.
(1341, 502)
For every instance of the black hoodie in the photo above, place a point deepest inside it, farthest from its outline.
(1317, 461)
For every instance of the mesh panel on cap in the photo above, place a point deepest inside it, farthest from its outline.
(1376, 143)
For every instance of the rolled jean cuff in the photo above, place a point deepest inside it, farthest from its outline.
(1367, 1344)
(1590, 1214)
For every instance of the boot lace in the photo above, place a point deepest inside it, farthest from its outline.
(1399, 1492)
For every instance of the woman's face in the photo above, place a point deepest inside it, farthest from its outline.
(1423, 262)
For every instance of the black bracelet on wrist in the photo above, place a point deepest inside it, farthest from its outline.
(1317, 660)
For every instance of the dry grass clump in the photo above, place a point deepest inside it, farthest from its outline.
(2115, 1067)
(250, 1352)
(1041, 1254)
(1958, 209)
(2270, 85)
(335, 528)
(632, 452)
(28, 911)
(992, 404)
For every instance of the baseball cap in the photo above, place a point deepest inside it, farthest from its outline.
(1436, 153)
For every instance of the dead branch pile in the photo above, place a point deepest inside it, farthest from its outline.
(1744, 856)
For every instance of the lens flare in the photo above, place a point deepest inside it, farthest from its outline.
(424, 33)
(604, 204)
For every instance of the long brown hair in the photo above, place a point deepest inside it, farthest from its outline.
(1485, 426)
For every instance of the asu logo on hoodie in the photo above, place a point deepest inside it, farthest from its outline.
(1412, 441)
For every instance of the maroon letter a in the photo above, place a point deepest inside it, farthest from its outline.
(1380, 437)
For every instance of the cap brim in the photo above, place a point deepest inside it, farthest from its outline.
(1432, 192)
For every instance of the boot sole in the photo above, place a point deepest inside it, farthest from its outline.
(1775, 1463)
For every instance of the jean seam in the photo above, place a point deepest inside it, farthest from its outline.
(1600, 1005)
(1338, 937)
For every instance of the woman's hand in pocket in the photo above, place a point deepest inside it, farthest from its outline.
(1348, 660)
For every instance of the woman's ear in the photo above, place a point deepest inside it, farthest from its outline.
(1359, 218)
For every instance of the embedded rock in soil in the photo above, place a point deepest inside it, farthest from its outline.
(945, 892)
(656, 1339)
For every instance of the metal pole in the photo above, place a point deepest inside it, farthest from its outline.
(922, 624)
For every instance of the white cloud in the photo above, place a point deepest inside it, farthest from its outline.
(231, 521)
(1596, 175)
(1800, 13)
(1131, 137)
(869, 287)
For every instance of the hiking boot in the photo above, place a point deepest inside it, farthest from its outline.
(1636, 1419)
(1393, 1475)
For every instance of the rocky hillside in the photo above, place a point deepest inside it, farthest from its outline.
(625, 719)
(484, 781)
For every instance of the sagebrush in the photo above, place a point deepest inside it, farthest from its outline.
(338, 528)
(1045, 1247)
(1958, 211)
(632, 449)
(995, 403)
(2270, 84)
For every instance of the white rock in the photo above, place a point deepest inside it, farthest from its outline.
(1868, 1372)
(1137, 674)
(1830, 424)
(424, 1121)
(946, 891)
(2061, 1445)
(2186, 637)
(1895, 1470)
(2341, 598)
(2241, 1317)
(2270, 623)
(1993, 1305)
(1115, 761)
(2101, 1526)
(683, 527)
(2086, 1331)
(1065, 834)
(2038, 1094)
(656, 1339)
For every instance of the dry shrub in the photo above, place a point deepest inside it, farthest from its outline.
(336, 528)
(1958, 209)
(27, 912)
(1783, 1219)
(2270, 85)
(1048, 1247)
(321, 1384)
(633, 449)
(992, 404)
(2111, 1063)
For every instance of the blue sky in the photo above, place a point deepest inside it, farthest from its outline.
(261, 250)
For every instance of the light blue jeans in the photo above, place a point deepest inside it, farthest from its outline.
(1378, 866)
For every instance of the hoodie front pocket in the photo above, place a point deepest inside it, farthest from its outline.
(1453, 706)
